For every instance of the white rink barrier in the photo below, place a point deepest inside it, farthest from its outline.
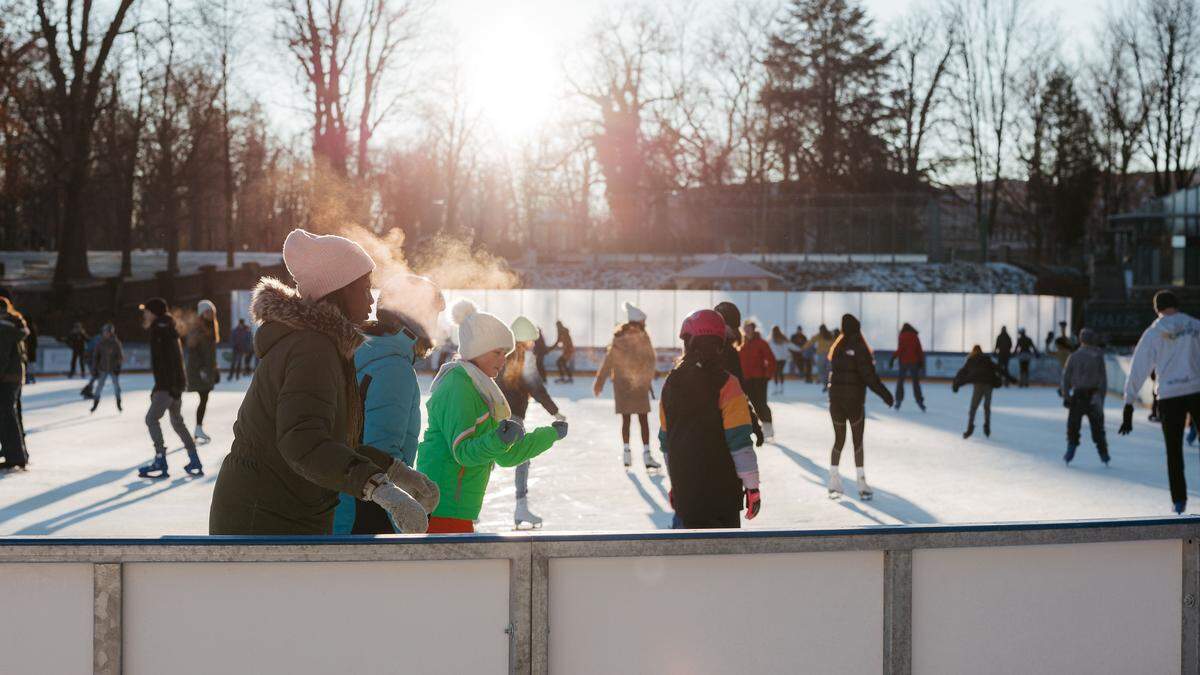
(948, 322)
(1077, 597)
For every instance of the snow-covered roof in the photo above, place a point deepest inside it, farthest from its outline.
(726, 267)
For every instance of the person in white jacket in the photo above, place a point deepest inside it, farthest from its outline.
(1170, 348)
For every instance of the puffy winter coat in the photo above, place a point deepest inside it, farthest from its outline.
(1085, 371)
(821, 343)
(630, 362)
(461, 447)
(1004, 344)
(978, 369)
(166, 356)
(202, 370)
(908, 349)
(13, 332)
(705, 434)
(852, 365)
(757, 359)
(109, 356)
(296, 438)
(1170, 348)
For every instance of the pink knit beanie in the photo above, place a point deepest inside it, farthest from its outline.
(322, 264)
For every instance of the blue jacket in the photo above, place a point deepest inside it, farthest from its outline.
(392, 414)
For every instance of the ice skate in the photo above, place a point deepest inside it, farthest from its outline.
(768, 431)
(987, 429)
(1070, 453)
(835, 483)
(921, 405)
(8, 467)
(970, 430)
(649, 461)
(194, 468)
(95, 404)
(1180, 507)
(628, 457)
(201, 437)
(522, 514)
(865, 492)
(119, 408)
(155, 469)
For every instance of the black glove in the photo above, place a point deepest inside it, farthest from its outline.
(1066, 398)
(1126, 420)
(889, 400)
(756, 430)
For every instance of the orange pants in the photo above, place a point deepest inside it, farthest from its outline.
(439, 525)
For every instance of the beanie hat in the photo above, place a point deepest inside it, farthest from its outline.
(524, 330)
(731, 314)
(322, 264)
(1087, 336)
(634, 313)
(206, 305)
(156, 306)
(479, 332)
(850, 325)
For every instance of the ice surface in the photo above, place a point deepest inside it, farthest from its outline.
(83, 481)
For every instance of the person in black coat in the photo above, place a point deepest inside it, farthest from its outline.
(851, 373)
(1026, 352)
(984, 375)
(170, 381)
(1003, 352)
(13, 332)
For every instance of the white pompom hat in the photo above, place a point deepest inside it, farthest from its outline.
(479, 332)
(322, 264)
(634, 313)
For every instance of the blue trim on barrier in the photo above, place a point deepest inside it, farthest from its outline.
(657, 535)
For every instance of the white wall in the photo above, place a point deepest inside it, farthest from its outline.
(46, 618)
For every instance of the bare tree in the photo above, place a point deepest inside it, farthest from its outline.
(390, 27)
(453, 125)
(921, 64)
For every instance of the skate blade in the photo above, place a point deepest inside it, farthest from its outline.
(197, 472)
(158, 476)
(835, 495)
(866, 496)
(532, 526)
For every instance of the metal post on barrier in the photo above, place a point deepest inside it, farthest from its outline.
(1190, 658)
(106, 622)
(897, 612)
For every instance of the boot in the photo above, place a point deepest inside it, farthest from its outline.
(1103, 455)
(194, 468)
(119, 408)
(648, 460)
(201, 437)
(1180, 507)
(835, 482)
(1071, 447)
(865, 492)
(921, 405)
(987, 429)
(155, 469)
(522, 514)
(970, 430)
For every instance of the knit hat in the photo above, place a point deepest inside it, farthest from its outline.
(1087, 336)
(204, 305)
(156, 306)
(634, 313)
(731, 314)
(524, 330)
(322, 264)
(479, 332)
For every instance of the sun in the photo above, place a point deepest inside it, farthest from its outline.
(513, 77)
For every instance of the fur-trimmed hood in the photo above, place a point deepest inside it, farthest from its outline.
(276, 302)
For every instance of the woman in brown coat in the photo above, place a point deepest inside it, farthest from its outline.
(631, 361)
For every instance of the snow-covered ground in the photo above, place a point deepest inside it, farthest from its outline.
(83, 482)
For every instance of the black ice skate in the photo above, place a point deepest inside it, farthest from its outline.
(194, 468)
(155, 469)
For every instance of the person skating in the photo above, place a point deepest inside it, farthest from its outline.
(1171, 348)
(781, 350)
(821, 343)
(566, 358)
(1084, 385)
(631, 362)
(170, 381)
(203, 372)
(912, 361)
(983, 375)
(733, 362)
(758, 366)
(387, 378)
(13, 331)
(801, 358)
(31, 351)
(1003, 352)
(705, 432)
(1026, 352)
(242, 343)
(107, 360)
(296, 441)
(77, 341)
(88, 351)
(540, 350)
(471, 429)
(851, 373)
(519, 381)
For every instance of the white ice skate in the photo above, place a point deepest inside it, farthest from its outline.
(628, 456)
(648, 460)
(201, 437)
(522, 514)
(768, 431)
(835, 483)
(865, 492)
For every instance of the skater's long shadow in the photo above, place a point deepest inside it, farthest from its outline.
(76, 421)
(888, 502)
(63, 520)
(660, 517)
(61, 492)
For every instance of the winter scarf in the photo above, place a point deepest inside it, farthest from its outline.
(486, 386)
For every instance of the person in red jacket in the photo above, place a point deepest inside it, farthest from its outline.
(758, 366)
(912, 361)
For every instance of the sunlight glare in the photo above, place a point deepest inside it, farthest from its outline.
(514, 77)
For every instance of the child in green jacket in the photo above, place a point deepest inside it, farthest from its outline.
(470, 427)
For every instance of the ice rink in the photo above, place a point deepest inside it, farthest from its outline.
(83, 482)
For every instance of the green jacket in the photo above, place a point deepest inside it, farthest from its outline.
(461, 447)
(295, 441)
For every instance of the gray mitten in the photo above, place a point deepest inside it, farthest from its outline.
(415, 483)
(561, 427)
(510, 431)
(406, 512)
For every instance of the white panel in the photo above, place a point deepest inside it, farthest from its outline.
(947, 322)
(739, 298)
(1062, 312)
(360, 617)
(837, 304)
(1081, 608)
(604, 317)
(1046, 318)
(917, 309)
(575, 311)
(775, 613)
(687, 302)
(1027, 318)
(47, 615)
(541, 306)
(804, 309)
(978, 322)
(506, 304)
(659, 307)
(770, 308)
(1004, 314)
(880, 319)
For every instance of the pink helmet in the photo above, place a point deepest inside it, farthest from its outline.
(702, 322)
